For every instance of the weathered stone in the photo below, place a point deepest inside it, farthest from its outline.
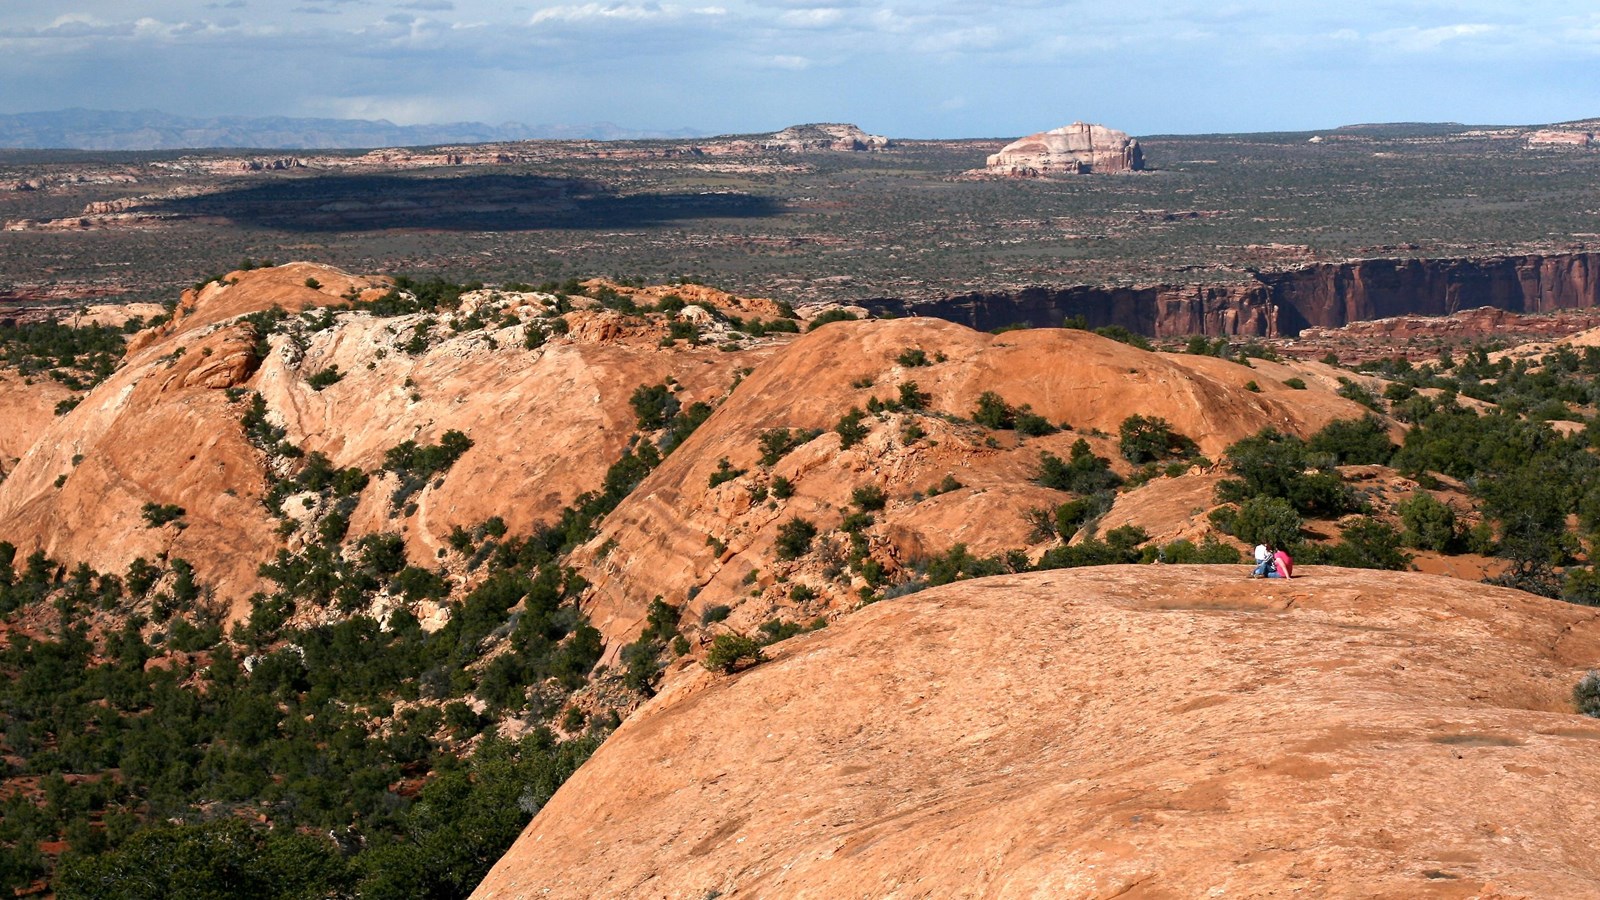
(1070, 150)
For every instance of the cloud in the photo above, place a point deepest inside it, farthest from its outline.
(429, 5)
(978, 38)
(792, 63)
(72, 25)
(814, 17)
(604, 12)
(1429, 39)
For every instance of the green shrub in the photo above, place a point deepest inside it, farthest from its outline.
(833, 315)
(1147, 439)
(324, 378)
(653, 405)
(1586, 694)
(850, 428)
(1362, 441)
(1119, 333)
(776, 443)
(725, 472)
(1296, 383)
(1084, 474)
(728, 651)
(869, 498)
(1267, 520)
(1353, 390)
(993, 412)
(794, 538)
(775, 630)
(1272, 464)
(911, 397)
(958, 563)
(158, 514)
(1429, 523)
(1367, 543)
(912, 357)
(1581, 586)
(717, 613)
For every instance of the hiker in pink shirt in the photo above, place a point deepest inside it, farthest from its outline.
(1282, 565)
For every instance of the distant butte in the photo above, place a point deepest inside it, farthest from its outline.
(1074, 149)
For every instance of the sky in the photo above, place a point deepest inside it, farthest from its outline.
(907, 70)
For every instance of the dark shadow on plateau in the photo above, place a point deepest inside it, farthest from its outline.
(464, 203)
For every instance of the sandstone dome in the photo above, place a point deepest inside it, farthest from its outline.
(1069, 150)
(1128, 731)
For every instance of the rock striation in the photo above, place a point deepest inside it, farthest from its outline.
(166, 427)
(704, 540)
(1073, 149)
(1125, 731)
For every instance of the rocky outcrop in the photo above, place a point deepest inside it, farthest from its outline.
(1069, 150)
(280, 164)
(824, 136)
(1561, 139)
(1282, 304)
(1149, 731)
(545, 423)
(703, 539)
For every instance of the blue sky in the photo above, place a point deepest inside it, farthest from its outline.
(910, 70)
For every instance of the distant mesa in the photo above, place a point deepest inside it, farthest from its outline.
(1074, 149)
(824, 136)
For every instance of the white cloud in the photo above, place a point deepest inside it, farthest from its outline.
(975, 39)
(792, 63)
(816, 17)
(1427, 39)
(604, 12)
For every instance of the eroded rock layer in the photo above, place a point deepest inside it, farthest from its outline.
(1273, 304)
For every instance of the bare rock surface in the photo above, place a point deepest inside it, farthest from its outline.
(1131, 731)
(1069, 150)
(27, 408)
(165, 428)
(697, 544)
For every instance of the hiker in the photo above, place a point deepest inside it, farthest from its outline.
(1263, 561)
(1282, 565)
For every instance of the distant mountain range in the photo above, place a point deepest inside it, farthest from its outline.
(91, 129)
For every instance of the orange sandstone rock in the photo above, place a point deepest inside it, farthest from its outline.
(1146, 731)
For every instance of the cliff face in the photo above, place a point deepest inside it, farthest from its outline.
(1282, 304)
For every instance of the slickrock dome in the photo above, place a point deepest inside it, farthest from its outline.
(1128, 731)
(1070, 150)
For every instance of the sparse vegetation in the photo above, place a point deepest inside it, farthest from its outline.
(729, 652)
(851, 429)
(158, 514)
(794, 538)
